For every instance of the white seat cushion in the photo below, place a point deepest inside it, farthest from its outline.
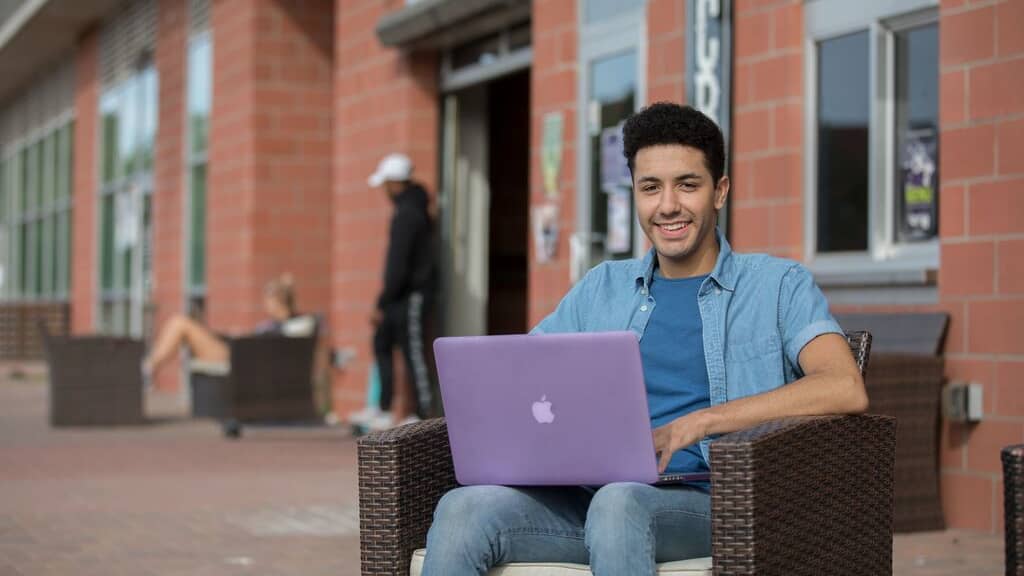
(694, 567)
(299, 326)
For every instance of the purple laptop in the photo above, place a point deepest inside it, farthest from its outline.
(553, 409)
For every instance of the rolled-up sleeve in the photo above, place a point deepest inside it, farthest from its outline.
(803, 312)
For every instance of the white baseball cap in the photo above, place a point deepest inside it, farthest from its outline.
(393, 168)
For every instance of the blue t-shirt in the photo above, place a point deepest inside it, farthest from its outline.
(672, 352)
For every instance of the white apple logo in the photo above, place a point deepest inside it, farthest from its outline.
(542, 411)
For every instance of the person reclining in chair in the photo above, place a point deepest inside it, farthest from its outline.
(209, 347)
(727, 341)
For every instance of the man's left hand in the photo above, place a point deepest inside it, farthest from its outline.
(678, 434)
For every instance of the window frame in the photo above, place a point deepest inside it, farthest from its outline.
(195, 293)
(599, 40)
(886, 262)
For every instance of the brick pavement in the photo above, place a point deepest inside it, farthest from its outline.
(175, 498)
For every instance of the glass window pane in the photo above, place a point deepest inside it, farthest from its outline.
(67, 159)
(53, 253)
(23, 233)
(107, 243)
(39, 247)
(149, 95)
(197, 252)
(843, 118)
(917, 134)
(200, 79)
(64, 241)
(597, 10)
(49, 169)
(5, 273)
(30, 172)
(22, 174)
(613, 93)
(109, 109)
(39, 168)
(4, 174)
(128, 139)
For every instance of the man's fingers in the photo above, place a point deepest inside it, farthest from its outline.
(666, 457)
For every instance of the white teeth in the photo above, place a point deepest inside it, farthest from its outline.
(672, 227)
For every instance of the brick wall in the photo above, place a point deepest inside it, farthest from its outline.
(767, 164)
(384, 101)
(666, 51)
(83, 229)
(270, 156)
(553, 83)
(981, 282)
(168, 177)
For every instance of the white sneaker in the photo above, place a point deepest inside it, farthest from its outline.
(364, 416)
(381, 421)
(410, 419)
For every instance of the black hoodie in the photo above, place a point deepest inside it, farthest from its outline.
(410, 259)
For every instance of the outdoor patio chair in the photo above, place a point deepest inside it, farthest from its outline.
(268, 378)
(94, 380)
(799, 496)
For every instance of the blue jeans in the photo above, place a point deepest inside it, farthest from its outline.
(621, 528)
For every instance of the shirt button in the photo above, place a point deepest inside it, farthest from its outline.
(718, 290)
(643, 308)
(643, 291)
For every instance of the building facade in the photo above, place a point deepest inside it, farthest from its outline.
(170, 156)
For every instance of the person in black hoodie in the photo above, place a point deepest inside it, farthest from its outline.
(407, 294)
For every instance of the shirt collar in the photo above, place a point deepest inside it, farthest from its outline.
(724, 273)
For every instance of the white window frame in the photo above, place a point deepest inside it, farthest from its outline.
(602, 39)
(193, 160)
(886, 262)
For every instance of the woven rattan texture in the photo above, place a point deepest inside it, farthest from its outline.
(402, 474)
(1013, 503)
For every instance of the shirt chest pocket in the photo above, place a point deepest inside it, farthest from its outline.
(753, 366)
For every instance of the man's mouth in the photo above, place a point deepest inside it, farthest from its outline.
(673, 226)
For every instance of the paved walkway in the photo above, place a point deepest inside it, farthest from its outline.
(174, 497)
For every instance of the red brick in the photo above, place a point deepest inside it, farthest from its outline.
(996, 89)
(1011, 266)
(952, 205)
(966, 501)
(750, 229)
(986, 439)
(778, 77)
(752, 131)
(994, 326)
(664, 17)
(952, 97)
(1009, 388)
(789, 126)
(778, 176)
(997, 207)
(952, 441)
(967, 153)
(967, 269)
(789, 26)
(83, 229)
(1010, 143)
(787, 226)
(743, 84)
(753, 34)
(742, 181)
(967, 36)
(949, 4)
(1009, 16)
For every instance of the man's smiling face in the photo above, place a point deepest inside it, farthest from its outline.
(677, 202)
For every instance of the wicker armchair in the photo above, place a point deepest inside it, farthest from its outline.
(796, 496)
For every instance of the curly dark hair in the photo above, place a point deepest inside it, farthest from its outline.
(668, 123)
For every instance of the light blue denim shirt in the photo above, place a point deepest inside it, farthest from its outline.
(758, 313)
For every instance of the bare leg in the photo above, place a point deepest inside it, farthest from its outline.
(183, 330)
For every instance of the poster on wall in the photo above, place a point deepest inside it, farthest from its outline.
(918, 216)
(551, 153)
(619, 216)
(614, 169)
(545, 232)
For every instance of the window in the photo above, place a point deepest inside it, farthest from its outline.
(35, 214)
(873, 140)
(200, 79)
(598, 10)
(128, 111)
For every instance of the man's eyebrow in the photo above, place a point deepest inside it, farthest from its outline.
(688, 176)
(649, 179)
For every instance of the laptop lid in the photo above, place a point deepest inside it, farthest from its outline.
(552, 409)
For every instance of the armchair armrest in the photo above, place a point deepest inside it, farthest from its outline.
(402, 474)
(804, 496)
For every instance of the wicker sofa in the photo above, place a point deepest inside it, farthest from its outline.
(796, 496)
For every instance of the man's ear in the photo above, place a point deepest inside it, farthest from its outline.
(721, 192)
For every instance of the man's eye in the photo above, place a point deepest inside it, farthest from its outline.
(649, 189)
